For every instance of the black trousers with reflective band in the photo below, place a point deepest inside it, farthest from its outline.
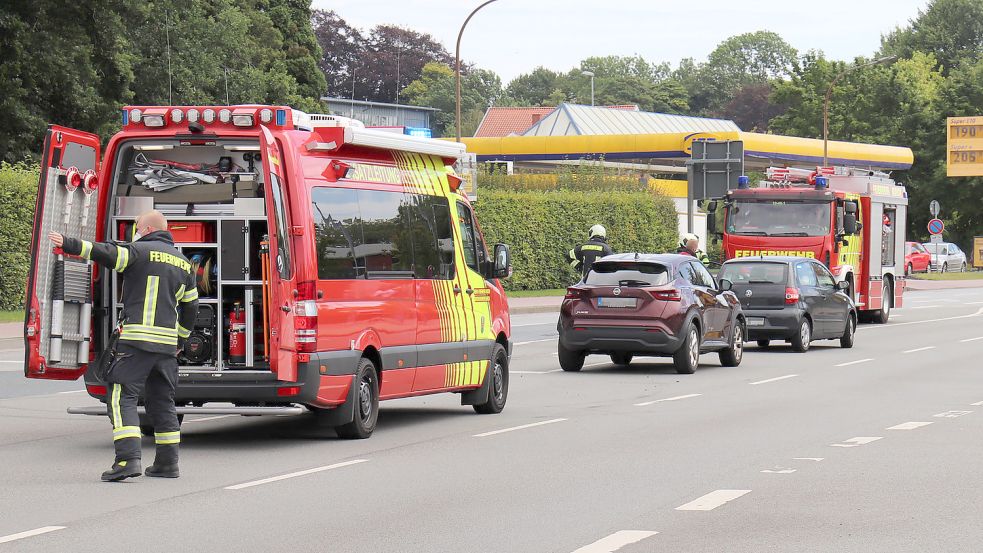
(136, 372)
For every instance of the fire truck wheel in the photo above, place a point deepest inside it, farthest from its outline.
(147, 428)
(498, 386)
(366, 412)
(570, 361)
(849, 335)
(800, 340)
(884, 313)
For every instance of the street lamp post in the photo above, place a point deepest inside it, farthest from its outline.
(457, 68)
(829, 94)
(591, 75)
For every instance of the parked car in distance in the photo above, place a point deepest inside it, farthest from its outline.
(946, 257)
(793, 299)
(650, 305)
(916, 258)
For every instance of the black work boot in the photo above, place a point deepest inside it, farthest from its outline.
(121, 470)
(165, 463)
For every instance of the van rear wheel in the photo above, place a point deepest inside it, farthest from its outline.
(498, 386)
(366, 408)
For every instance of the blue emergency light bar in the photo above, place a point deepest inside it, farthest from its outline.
(421, 132)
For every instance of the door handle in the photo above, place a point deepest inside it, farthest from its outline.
(285, 309)
(469, 291)
(457, 289)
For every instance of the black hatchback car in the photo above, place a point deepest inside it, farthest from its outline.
(793, 299)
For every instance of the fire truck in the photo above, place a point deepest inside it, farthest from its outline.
(336, 265)
(852, 220)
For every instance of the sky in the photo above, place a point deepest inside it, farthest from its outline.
(512, 37)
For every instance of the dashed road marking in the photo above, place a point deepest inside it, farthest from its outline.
(859, 440)
(29, 533)
(816, 459)
(536, 372)
(520, 427)
(295, 474)
(778, 470)
(616, 541)
(773, 379)
(977, 404)
(16, 362)
(972, 339)
(896, 325)
(952, 414)
(712, 500)
(918, 349)
(925, 306)
(908, 426)
(553, 339)
(74, 392)
(857, 362)
(666, 399)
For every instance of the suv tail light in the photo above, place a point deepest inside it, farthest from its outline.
(791, 296)
(667, 295)
(574, 293)
(305, 317)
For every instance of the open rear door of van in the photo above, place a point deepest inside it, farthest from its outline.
(57, 325)
(283, 341)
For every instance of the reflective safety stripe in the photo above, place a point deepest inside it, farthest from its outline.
(86, 249)
(126, 432)
(144, 329)
(592, 248)
(574, 263)
(114, 403)
(180, 292)
(182, 332)
(190, 295)
(150, 300)
(167, 437)
(572, 254)
(122, 258)
(136, 337)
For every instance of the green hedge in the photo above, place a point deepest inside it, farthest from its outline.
(541, 227)
(18, 190)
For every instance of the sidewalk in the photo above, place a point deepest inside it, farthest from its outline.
(914, 284)
(540, 304)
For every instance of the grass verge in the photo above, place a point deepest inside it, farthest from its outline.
(536, 293)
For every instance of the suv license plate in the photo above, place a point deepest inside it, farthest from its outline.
(756, 321)
(616, 302)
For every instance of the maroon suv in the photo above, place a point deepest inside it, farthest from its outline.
(643, 304)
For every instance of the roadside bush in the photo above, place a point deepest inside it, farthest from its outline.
(541, 227)
(18, 190)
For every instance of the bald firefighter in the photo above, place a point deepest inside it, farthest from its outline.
(689, 244)
(583, 256)
(160, 303)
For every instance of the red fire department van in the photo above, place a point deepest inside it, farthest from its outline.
(336, 265)
(852, 220)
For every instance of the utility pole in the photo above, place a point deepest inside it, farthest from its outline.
(457, 68)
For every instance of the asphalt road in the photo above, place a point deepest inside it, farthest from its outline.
(871, 449)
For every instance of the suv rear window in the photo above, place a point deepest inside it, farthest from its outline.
(754, 273)
(628, 274)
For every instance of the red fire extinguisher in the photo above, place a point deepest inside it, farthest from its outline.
(237, 335)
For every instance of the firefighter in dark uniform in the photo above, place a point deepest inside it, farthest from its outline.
(583, 256)
(689, 244)
(160, 303)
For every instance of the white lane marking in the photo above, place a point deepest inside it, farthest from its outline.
(925, 306)
(712, 500)
(536, 372)
(952, 414)
(778, 470)
(860, 440)
(666, 399)
(294, 474)
(908, 426)
(816, 459)
(972, 339)
(978, 403)
(974, 302)
(74, 392)
(534, 324)
(868, 327)
(5, 361)
(848, 363)
(598, 363)
(530, 425)
(918, 349)
(29, 533)
(773, 379)
(553, 339)
(216, 417)
(616, 541)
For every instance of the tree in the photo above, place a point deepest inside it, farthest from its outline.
(341, 46)
(535, 88)
(751, 107)
(436, 88)
(950, 30)
(300, 46)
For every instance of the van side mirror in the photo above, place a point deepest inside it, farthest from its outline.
(850, 221)
(502, 263)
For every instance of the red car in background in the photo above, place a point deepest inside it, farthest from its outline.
(916, 258)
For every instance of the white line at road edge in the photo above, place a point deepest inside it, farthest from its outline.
(918, 349)
(712, 500)
(816, 459)
(29, 533)
(536, 372)
(666, 399)
(553, 339)
(530, 425)
(848, 363)
(616, 541)
(294, 474)
(908, 426)
(895, 325)
(773, 379)
(6, 361)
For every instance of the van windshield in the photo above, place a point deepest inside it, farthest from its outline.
(627, 274)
